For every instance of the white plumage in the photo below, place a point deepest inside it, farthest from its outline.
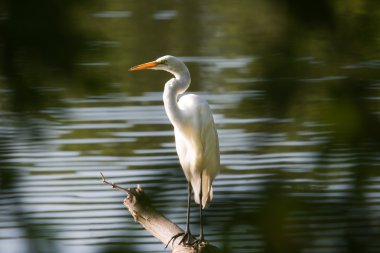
(197, 146)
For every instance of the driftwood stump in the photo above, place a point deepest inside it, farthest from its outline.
(156, 223)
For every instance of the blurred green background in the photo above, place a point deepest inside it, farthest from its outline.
(294, 85)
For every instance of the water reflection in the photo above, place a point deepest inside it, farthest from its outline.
(296, 105)
(59, 186)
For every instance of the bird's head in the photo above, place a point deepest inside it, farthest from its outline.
(167, 63)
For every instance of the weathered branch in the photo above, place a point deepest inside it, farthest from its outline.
(156, 223)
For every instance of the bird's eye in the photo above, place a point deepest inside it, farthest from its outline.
(165, 62)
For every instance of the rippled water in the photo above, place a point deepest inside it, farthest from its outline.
(130, 140)
(55, 156)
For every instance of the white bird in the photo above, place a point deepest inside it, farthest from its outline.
(195, 133)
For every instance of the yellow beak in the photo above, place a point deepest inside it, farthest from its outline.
(147, 65)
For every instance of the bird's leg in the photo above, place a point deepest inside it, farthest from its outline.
(188, 209)
(187, 238)
(201, 238)
(201, 235)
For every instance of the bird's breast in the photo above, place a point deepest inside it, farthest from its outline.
(189, 150)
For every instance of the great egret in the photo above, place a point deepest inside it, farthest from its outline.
(196, 137)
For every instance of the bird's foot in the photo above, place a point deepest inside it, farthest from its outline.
(187, 239)
(200, 242)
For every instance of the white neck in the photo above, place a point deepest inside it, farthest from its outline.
(173, 88)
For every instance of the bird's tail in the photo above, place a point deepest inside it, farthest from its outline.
(206, 190)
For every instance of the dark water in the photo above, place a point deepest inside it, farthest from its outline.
(295, 93)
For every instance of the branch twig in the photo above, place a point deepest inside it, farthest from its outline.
(114, 185)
